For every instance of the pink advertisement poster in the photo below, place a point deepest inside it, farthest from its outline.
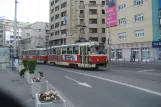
(111, 13)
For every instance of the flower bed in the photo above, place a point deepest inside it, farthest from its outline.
(36, 79)
(49, 96)
(38, 84)
(49, 99)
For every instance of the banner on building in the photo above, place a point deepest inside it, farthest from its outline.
(156, 44)
(111, 13)
(159, 4)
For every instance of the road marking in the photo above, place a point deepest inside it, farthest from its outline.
(80, 83)
(146, 70)
(113, 81)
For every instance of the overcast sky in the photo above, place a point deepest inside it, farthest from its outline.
(27, 10)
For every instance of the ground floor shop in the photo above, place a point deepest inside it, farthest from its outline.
(143, 52)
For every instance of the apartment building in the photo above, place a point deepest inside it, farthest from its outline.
(34, 35)
(134, 27)
(8, 31)
(1, 30)
(71, 20)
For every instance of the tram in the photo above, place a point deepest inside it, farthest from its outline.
(82, 55)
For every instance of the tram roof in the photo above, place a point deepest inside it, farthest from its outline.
(77, 44)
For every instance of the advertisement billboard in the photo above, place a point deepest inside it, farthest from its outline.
(111, 13)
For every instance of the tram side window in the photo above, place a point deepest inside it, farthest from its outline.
(54, 51)
(75, 50)
(50, 51)
(64, 50)
(69, 50)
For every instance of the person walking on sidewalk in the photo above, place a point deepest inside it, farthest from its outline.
(134, 57)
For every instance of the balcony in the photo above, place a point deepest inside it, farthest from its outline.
(81, 6)
(82, 15)
(92, 5)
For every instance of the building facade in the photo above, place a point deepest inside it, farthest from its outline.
(72, 20)
(8, 31)
(34, 35)
(133, 29)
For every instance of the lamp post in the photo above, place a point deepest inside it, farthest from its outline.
(15, 33)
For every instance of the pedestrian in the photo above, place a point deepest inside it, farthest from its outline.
(134, 57)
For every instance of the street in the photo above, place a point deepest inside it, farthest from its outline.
(113, 87)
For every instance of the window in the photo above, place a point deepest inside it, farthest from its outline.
(92, 30)
(122, 21)
(75, 50)
(56, 25)
(56, 16)
(103, 11)
(12, 37)
(81, 21)
(139, 17)
(138, 2)
(52, 26)
(63, 14)
(139, 33)
(145, 53)
(122, 36)
(119, 53)
(52, 11)
(63, 31)
(52, 34)
(113, 53)
(92, 11)
(103, 21)
(52, 18)
(69, 50)
(56, 1)
(92, 21)
(56, 33)
(56, 8)
(52, 3)
(63, 5)
(81, 2)
(92, 2)
(103, 30)
(64, 50)
(81, 11)
(121, 7)
(103, 3)
(103, 39)
(93, 38)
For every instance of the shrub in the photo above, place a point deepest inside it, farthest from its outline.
(25, 63)
(31, 66)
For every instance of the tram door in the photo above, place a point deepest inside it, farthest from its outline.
(84, 55)
(58, 55)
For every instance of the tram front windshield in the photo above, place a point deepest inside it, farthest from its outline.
(98, 49)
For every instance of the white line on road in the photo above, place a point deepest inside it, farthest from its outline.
(146, 70)
(80, 83)
(113, 81)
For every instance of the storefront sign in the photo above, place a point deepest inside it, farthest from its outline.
(156, 44)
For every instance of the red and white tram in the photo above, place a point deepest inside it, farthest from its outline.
(83, 55)
(37, 54)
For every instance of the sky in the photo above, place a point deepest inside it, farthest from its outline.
(27, 10)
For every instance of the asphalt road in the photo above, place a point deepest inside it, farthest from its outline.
(113, 87)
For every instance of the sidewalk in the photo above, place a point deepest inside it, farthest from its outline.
(156, 65)
(17, 86)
